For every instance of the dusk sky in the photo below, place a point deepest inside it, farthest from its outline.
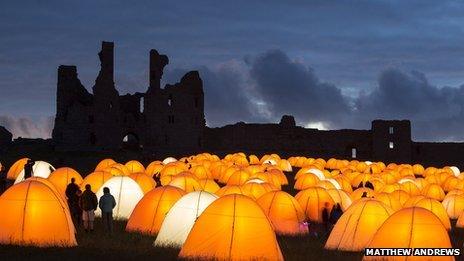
(331, 64)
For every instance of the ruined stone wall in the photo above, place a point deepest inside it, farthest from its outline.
(5, 138)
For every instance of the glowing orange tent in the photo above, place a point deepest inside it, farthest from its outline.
(454, 205)
(151, 210)
(209, 185)
(341, 197)
(35, 216)
(61, 177)
(227, 190)
(104, 164)
(145, 182)
(154, 168)
(313, 201)
(434, 191)
(256, 190)
(186, 182)
(436, 208)
(285, 213)
(357, 226)
(96, 180)
(16, 168)
(134, 166)
(233, 227)
(305, 181)
(413, 228)
(389, 200)
(238, 178)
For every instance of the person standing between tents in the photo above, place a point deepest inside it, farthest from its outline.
(89, 203)
(28, 171)
(326, 216)
(336, 213)
(107, 204)
(73, 200)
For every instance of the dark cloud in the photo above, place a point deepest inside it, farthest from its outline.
(436, 113)
(289, 87)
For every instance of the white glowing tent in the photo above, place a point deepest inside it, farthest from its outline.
(127, 194)
(169, 160)
(40, 169)
(181, 218)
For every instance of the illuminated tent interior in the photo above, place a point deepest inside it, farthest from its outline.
(233, 227)
(414, 227)
(39, 169)
(25, 203)
(150, 212)
(127, 194)
(181, 217)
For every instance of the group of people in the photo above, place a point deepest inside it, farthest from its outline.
(83, 204)
(331, 216)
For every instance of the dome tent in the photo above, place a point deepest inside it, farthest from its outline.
(61, 177)
(150, 212)
(436, 208)
(414, 227)
(104, 164)
(145, 182)
(233, 227)
(313, 201)
(356, 227)
(96, 180)
(40, 169)
(16, 168)
(284, 212)
(24, 203)
(181, 217)
(127, 194)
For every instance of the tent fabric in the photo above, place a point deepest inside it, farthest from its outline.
(96, 180)
(104, 164)
(40, 169)
(150, 212)
(16, 168)
(127, 194)
(145, 182)
(356, 227)
(181, 217)
(313, 201)
(134, 166)
(284, 212)
(436, 208)
(61, 177)
(233, 227)
(454, 205)
(36, 216)
(414, 227)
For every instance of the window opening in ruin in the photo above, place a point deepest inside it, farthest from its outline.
(170, 100)
(111, 105)
(141, 104)
(353, 153)
(131, 141)
(391, 145)
(390, 130)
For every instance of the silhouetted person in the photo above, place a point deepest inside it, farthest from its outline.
(28, 168)
(368, 184)
(107, 204)
(336, 213)
(326, 216)
(89, 203)
(2, 178)
(73, 200)
(364, 195)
